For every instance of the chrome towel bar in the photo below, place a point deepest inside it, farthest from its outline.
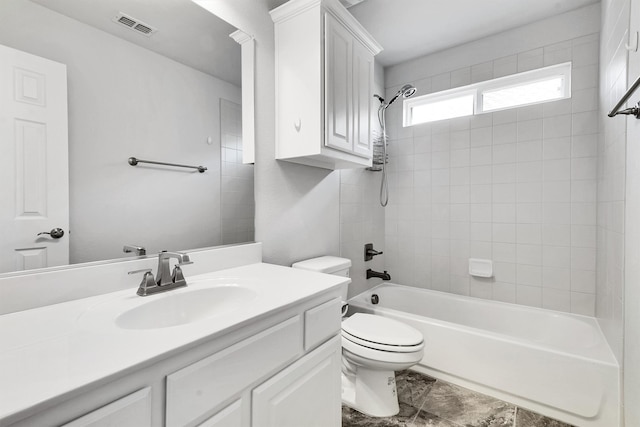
(635, 111)
(133, 161)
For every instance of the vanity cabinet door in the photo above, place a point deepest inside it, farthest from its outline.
(231, 416)
(201, 389)
(132, 410)
(307, 393)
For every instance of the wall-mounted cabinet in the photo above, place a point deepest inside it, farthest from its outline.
(324, 85)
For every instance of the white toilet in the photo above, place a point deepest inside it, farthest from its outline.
(373, 348)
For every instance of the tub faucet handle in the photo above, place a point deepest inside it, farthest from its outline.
(369, 252)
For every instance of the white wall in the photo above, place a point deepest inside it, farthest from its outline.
(632, 242)
(517, 187)
(618, 302)
(127, 101)
(297, 207)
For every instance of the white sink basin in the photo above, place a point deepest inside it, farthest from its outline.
(187, 305)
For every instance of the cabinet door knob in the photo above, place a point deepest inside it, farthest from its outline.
(298, 125)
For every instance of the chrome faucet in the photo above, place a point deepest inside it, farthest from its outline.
(166, 279)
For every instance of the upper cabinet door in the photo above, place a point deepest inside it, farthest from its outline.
(362, 98)
(338, 85)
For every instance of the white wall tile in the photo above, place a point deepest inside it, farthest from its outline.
(557, 126)
(556, 299)
(505, 252)
(504, 153)
(529, 295)
(505, 292)
(504, 213)
(504, 134)
(517, 186)
(556, 148)
(529, 172)
(529, 151)
(529, 130)
(504, 233)
(556, 278)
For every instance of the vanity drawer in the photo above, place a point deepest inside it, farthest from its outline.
(199, 389)
(133, 410)
(321, 323)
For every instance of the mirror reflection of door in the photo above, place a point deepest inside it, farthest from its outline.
(34, 182)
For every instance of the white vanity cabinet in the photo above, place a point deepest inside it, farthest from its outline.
(324, 85)
(134, 409)
(282, 369)
(304, 393)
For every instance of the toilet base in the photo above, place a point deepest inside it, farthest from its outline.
(372, 392)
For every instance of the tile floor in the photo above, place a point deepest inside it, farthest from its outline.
(425, 401)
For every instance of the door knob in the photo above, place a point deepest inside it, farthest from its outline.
(55, 233)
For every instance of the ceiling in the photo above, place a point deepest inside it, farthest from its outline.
(411, 28)
(405, 28)
(186, 32)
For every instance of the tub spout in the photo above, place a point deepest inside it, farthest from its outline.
(383, 276)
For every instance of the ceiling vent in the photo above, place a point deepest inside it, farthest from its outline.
(134, 24)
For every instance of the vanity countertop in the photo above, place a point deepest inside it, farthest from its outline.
(48, 352)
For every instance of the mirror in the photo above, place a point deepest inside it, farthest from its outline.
(170, 96)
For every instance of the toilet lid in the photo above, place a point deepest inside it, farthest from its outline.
(381, 330)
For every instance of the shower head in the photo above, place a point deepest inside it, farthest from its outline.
(405, 91)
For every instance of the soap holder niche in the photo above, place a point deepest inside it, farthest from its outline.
(480, 267)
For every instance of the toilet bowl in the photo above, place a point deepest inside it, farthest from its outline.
(373, 348)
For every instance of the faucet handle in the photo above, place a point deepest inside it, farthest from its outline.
(143, 270)
(148, 281)
(177, 275)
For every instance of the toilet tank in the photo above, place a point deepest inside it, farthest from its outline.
(329, 265)
(326, 264)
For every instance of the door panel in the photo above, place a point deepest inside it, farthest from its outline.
(338, 76)
(362, 98)
(34, 164)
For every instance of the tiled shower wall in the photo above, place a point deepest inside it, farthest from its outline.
(237, 204)
(517, 187)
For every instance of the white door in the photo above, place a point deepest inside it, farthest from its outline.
(34, 178)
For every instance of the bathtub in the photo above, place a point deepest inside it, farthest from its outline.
(557, 364)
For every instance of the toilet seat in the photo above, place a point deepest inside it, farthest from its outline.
(381, 333)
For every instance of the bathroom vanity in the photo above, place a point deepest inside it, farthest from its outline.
(253, 345)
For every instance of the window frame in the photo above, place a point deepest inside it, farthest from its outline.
(562, 70)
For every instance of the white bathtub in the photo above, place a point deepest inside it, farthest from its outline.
(553, 363)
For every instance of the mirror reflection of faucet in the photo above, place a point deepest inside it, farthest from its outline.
(384, 276)
(166, 279)
(138, 250)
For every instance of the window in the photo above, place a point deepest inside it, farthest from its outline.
(528, 88)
